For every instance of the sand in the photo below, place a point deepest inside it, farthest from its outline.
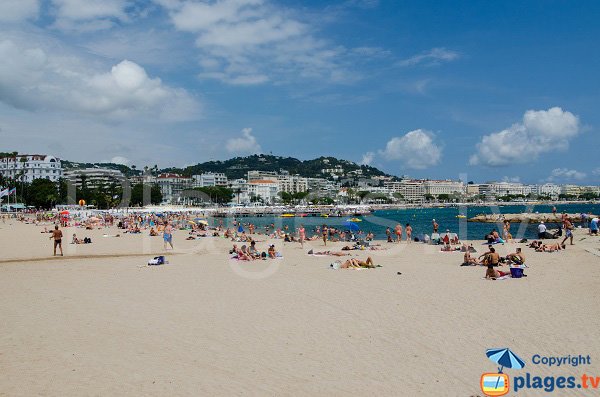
(100, 322)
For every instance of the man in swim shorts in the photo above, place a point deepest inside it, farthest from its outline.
(57, 236)
(168, 235)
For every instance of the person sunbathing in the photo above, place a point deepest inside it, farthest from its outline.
(551, 247)
(358, 264)
(493, 274)
(153, 232)
(332, 253)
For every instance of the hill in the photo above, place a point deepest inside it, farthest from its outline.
(238, 167)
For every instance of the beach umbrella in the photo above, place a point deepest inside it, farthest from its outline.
(351, 225)
(505, 358)
(203, 222)
(64, 212)
(192, 222)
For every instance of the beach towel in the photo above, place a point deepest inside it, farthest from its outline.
(499, 278)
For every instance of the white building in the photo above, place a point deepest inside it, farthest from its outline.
(292, 183)
(449, 187)
(265, 189)
(547, 189)
(209, 179)
(499, 189)
(27, 167)
(94, 177)
(172, 185)
(240, 191)
(411, 190)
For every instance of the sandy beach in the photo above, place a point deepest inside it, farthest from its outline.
(100, 322)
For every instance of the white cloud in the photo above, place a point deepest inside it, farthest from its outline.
(596, 171)
(367, 158)
(246, 144)
(18, 10)
(417, 149)
(89, 15)
(34, 78)
(514, 179)
(249, 42)
(564, 174)
(120, 160)
(540, 132)
(432, 57)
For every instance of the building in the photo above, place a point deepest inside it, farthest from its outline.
(447, 187)
(547, 189)
(292, 183)
(209, 179)
(411, 190)
(240, 191)
(472, 189)
(27, 167)
(172, 185)
(263, 175)
(94, 177)
(493, 190)
(263, 189)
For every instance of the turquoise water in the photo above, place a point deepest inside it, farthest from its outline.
(421, 218)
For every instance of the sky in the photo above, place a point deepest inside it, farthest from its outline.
(475, 90)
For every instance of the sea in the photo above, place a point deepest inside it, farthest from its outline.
(421, 220)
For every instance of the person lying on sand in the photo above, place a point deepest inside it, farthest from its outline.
(493, 274)
(357, 264)
(332, 253)
(551, 247)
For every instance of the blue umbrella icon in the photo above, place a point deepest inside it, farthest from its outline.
(506, 358)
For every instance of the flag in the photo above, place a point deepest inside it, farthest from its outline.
(4, 192)
(11, 191)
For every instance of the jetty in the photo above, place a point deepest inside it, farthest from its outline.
(525, 217)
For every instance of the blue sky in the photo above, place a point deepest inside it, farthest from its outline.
(493, 90)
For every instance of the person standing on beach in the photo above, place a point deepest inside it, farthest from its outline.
(301, 235)
(57, 236)
(435, 226)
(325, 232)
(408, 233)
(168, 235)
(568, 226)
(398, 231)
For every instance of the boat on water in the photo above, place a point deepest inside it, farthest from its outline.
(287, 215)
(461, 216)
